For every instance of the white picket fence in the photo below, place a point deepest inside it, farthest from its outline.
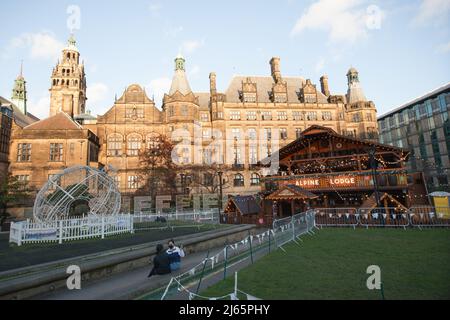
(210, 216)
(70, 229)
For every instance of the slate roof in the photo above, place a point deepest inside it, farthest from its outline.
(264, 86)
(244, 204)
(291, 192)
(180, 83)
(60, 121)
(20, 119)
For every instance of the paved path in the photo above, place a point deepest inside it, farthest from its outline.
(123, 285)
(134, 283)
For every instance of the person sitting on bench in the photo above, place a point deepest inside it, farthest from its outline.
(161, 262)
(175, 254)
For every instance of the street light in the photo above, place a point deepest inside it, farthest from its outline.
(220, 173)
(183, 177)
(373, 165)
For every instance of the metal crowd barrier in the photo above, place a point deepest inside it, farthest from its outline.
(336, 217)
(420, 217)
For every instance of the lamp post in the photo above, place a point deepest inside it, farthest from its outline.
(373, 165)
(220, 173)
(183, 177)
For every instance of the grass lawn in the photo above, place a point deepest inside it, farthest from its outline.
(332, 265)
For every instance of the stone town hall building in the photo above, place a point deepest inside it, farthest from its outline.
(255, 116)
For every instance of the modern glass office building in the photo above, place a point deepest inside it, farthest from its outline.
(422, 126)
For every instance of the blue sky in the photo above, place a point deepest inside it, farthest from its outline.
(401, 48)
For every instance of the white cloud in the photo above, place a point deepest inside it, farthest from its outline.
(191, 45)
(443, 48)
(42, 45)
(40, 107)
(155, 8)
(157, 88)
(432, 11)
(344, 20)
(97, 93)
(172, 32)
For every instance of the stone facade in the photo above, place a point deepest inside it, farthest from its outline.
(250, 120)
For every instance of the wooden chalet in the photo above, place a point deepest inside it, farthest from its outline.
(323, 169)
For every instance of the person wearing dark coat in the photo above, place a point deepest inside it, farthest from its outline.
(161, 262)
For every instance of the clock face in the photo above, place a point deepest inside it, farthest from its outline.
(339, 145)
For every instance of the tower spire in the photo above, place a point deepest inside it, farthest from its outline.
(19, 91)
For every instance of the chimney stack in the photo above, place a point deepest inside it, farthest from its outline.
(275, 68)
(324, 85)
(212, 83)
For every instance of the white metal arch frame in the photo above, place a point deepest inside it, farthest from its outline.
(94, 186)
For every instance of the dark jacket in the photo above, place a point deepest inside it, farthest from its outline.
(161, 263)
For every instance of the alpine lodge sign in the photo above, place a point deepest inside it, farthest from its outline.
(325, 182)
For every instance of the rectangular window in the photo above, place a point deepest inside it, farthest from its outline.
(23, 182)
(114, 146)
(252, 154)
(280, 98)
(204, 117)
(266, 115)
(283, 133)
(311, 116)
(297, 115)
(206, 133)
(356, 117)
(282, 115)
(251, 115)
(133, 182)
(235, 115)
(184, 111)
(56, 152)
(249, 97)
(251, 134)
(236, 133)
(171, 112)
(117, 180)
(267, 133)
(369, 117)
(298, 132)
(24, 152)
(326, 115)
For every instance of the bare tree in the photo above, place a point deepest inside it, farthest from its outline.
(206, 177)
(158, 172)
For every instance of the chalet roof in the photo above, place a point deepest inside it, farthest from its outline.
(244, 204)
(291, 192)
(264, 86)
(60, 121)
(316, 130)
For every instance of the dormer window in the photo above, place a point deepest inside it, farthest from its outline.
(249, 97)
(280, 98)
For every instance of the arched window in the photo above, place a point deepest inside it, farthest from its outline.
(238, 180)
(133, 144)
(62, 82)
(114, 145)
(254, 180)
